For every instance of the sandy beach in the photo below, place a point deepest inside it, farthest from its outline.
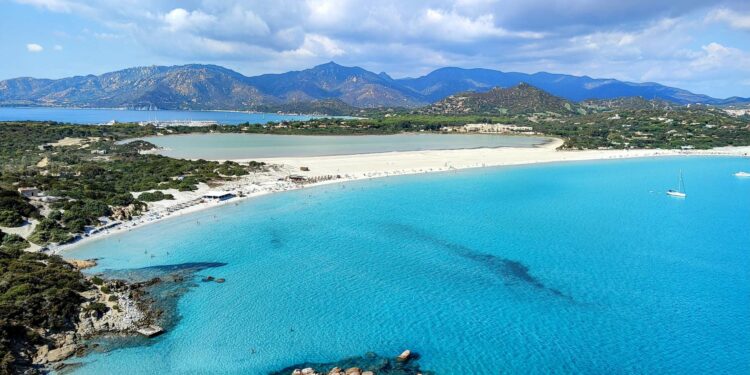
(322, 170)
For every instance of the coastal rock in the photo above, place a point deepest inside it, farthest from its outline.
(297, 372)
(61, 353)
(335, 371)
(368, 373)
(308, 371)
(404, 356)
(353, 371)
(81, 264)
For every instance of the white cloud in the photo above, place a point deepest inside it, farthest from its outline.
(179, 19)
(316, 46)
(716, 56)
(63, 6)
(452, 26)
(57, 47)
(34, 48)
(733, 18)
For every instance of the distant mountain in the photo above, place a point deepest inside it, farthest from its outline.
(446, 81)
(352, 85)
(188, 86)
(326, 87)
(519, 99)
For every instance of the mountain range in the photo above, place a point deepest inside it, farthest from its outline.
(324, 86)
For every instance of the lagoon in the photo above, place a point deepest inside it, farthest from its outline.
(245, 146)
(100, 116)
(584, 267)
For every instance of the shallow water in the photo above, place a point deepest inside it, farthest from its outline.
(243, 146)
(581, 267)
(100, 116)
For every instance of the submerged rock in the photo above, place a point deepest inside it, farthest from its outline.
(369, 364)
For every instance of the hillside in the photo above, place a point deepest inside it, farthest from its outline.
(519, 99)
(629, 102)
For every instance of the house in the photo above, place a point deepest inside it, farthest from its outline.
(29, 192)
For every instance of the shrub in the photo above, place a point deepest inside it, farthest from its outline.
(49, 231)
(154, 197)
(10, 218)
(12, 242)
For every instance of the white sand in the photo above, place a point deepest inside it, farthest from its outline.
(354, 167)
(394, 163)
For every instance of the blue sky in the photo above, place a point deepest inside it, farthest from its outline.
(702, 46)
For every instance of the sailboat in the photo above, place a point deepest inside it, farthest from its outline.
(680, 192)
(742, 174)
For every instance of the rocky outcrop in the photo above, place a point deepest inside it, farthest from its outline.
(110, 307)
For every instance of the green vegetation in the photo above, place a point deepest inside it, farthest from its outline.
(13, 209)
(154, 197)
(96, 280)
(48, 231)
(37, 292)
(667, 129)
(12, 242)
(90, 176)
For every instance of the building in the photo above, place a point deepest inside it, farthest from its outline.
(29, 192)
(218, 195)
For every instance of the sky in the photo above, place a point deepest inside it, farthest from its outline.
(699, 45)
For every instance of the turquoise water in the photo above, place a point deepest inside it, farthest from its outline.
(242, 146)
(561, 268)
(99, 116)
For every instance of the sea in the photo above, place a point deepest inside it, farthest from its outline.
(101, 116)
(244, 146)
(579, 267)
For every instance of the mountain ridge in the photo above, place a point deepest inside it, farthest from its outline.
(207, 86)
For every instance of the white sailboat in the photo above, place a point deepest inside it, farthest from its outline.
(742, 174)
(680, 192)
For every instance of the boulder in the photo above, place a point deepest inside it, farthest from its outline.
(353, 371)
(368, 373)
(335, 371)
(308, 371)
(404, 356)
(297, 372)
(61, 353)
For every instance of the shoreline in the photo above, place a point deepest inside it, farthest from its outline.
(368, 166)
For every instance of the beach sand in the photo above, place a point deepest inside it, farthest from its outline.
(364, 166)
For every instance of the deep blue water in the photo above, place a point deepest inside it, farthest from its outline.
(562, 268)
(100, 116)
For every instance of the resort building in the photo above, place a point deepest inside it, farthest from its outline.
(218, 195)
(29, 192)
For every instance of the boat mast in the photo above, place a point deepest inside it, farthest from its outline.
(682, 184)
